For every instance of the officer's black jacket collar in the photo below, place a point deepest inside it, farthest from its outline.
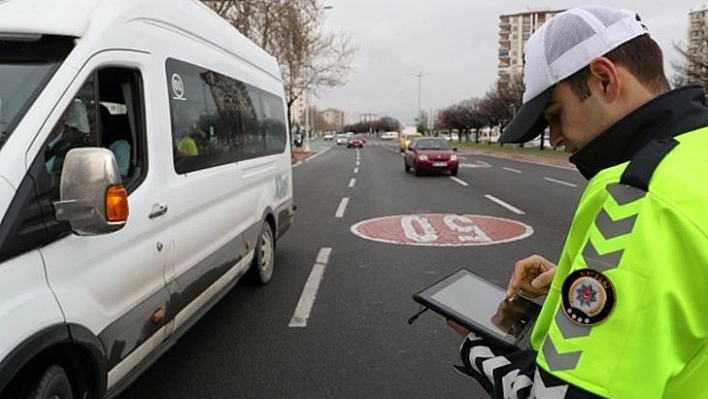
(668, 115)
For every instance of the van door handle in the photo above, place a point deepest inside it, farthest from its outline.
(158, 210)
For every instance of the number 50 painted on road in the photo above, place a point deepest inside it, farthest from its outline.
(437, 229)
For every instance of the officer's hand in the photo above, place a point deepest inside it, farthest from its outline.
(532, 276)
(458, 328)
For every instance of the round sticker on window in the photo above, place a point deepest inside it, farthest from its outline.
(177, 87)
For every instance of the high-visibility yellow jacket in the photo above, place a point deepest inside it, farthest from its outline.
(653, 248)
(627, 312)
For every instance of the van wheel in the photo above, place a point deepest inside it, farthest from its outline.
(52, 384)
(415, 170)
(453, 172)
(264, 260)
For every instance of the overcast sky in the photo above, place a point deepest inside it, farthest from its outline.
(453, 44)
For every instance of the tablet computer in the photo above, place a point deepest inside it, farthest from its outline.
(481, 306)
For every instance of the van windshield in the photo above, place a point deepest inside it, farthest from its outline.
(27, 62)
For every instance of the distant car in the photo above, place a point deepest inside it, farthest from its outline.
(389, 136)
(430, 154)
(328, 137)
(355, 141)
(341, 138)
(406, 139)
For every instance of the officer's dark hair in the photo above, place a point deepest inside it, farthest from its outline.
(641, 56)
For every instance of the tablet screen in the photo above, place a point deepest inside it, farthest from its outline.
(481, 306)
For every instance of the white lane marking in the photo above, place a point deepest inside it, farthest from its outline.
(356, 170)
(323, 255)
(565, 183)
(511, 170)
(352, 182)
(458, 181)
(357, 163)
(504, 204)
(342, 207)
(309, 292)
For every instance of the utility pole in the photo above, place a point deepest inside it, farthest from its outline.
(306, 138)
(420, 74)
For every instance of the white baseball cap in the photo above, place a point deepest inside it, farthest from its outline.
(564, 45)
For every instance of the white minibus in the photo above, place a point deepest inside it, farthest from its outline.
(144, 169)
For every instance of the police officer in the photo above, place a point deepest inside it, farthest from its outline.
(626, 311)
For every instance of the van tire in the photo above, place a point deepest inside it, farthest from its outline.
(52, 383)
(261, 270)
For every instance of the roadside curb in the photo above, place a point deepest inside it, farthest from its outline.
(300, 157)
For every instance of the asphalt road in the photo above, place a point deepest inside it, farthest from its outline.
(352, 340)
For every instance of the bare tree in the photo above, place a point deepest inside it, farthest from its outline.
(464, 116)
(693, 68)
(501, 102)
(292, 31)
(383, 124)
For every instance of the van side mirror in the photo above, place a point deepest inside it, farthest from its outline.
(92, 197)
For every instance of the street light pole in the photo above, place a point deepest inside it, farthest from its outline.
(306, 144)
(419, 75)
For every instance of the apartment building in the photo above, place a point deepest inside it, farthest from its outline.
(697, 48)
(298, 109)
(333, 117)
(514, 31)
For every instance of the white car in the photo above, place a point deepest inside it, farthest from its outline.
(328, 137)
(342, 139)
(389, 136)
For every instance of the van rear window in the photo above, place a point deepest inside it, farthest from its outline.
(27, 62)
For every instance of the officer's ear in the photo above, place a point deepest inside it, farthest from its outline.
(605, 78)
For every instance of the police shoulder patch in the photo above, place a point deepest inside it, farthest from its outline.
(588, 297)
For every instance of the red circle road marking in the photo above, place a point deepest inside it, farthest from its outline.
(439, 229)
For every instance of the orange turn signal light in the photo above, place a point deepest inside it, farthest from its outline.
(117, 203)
(158, 316)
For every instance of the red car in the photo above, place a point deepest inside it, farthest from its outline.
(355, 141)
(430, 154)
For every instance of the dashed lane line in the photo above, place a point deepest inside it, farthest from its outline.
(504, 204)
(565, 183)
(342, 207)
(309, 292)
(511, 170)
(458, 181)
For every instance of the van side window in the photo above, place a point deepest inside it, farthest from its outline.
(120, 110)
(106, 112)
(217, 119)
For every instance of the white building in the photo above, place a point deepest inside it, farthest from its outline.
(333, 117)
(514, 31)
(696, 35)
(298, 108)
